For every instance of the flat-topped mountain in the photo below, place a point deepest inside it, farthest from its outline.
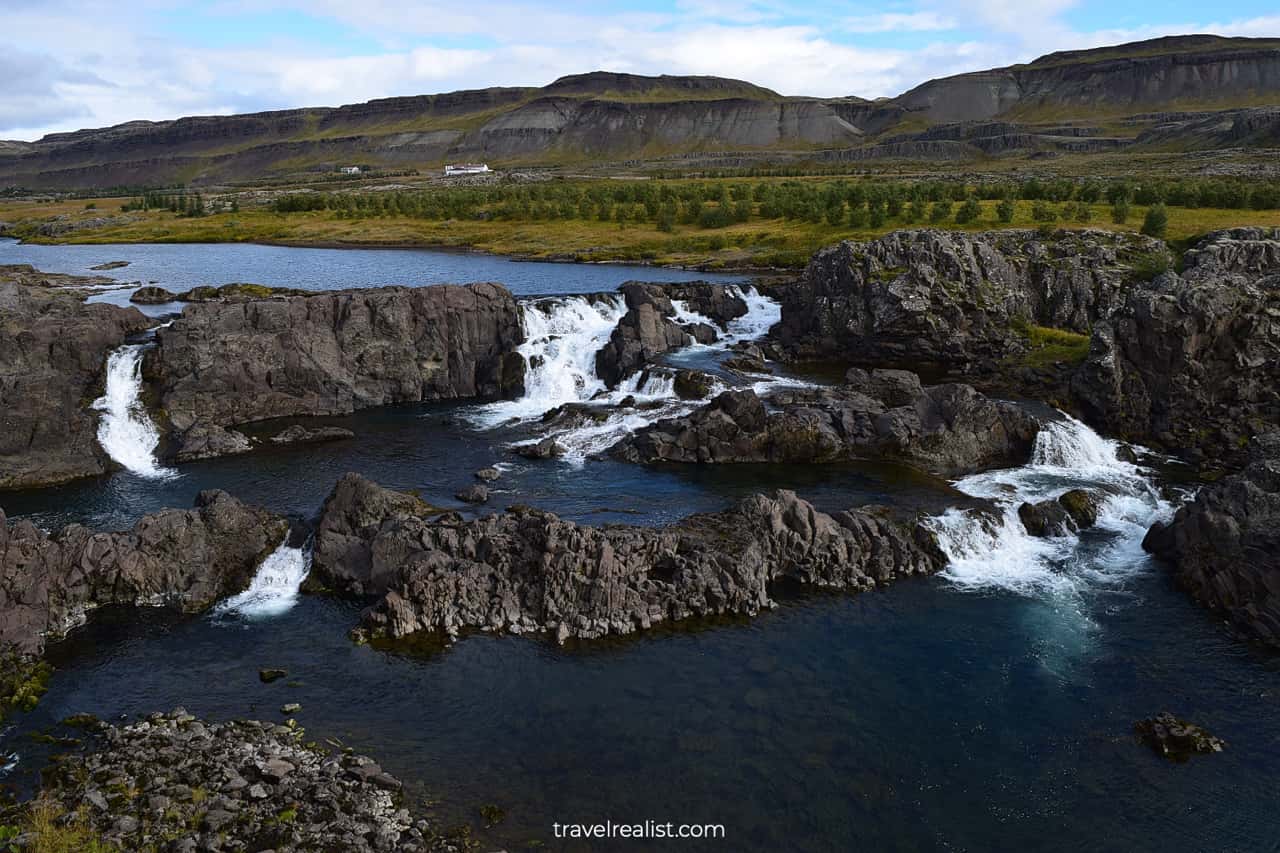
(1176, 93)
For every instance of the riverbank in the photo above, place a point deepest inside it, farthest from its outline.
(760, 245)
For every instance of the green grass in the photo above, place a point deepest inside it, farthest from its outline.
(1047, 346)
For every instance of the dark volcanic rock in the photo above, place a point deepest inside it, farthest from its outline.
(298, 434)
(1192, 361)
(693, 384)
(53, 352)
(946, 429)
(228, 363)
(527, 570)
(264, 787)
(547, 448)
(1176, 739)
(206, 441)
(720, 303)
(152, 295)
(474, 494)
(952, 298)
(645, 331)
(110, 265)
(1224, 547)
(1070, 513)
(183, 558)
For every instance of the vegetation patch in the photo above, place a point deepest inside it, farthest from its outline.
(1048, 346)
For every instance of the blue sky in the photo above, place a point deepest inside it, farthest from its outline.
(68, 64)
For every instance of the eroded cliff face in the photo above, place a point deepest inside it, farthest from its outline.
(1224, 547)
(1192, 360)
(182, 558)
(53, 351)
(528, 570)
(228, 363)
(953, 298)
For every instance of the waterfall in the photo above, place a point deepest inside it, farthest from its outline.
(274, 589)
(762, 314)
(561, 338)
(125, 431)
(986, 551)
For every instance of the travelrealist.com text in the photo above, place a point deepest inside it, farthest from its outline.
(647, 829)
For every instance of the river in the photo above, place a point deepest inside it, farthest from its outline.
(990, 707)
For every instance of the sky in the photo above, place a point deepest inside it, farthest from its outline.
(70, 64)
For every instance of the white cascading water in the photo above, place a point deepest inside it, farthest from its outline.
(998, 553)
(562, 337)
(275, 586)
(125, 431)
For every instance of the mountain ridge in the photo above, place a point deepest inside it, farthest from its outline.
(1228, 90)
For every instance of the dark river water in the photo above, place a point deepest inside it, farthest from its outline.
(941, 714)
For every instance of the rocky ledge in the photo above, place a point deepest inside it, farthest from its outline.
(526, 570)
(183, 558)
(175, 783)
(1224, 547)
(224, 363)
(1191, 361)
(952, 297)
(946, 429)
(53, 351)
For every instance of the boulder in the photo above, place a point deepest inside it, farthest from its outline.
(647, 330)
(183, 558)
(547, 448)
(1175, 739)
(474, 494)
(1224, 546)
(693, 384)
(207, 441)
(1070, 513)
(528, 570)
(488, 475)
(152, 295)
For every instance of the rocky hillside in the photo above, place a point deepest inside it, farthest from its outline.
(1187, 92)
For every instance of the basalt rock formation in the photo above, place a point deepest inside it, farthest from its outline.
(1192, 361)
(262, 787)
(182, 558)
(1224, 547)
(647, 330)
(527, 570)
(227, 363)
(954, 298)
(946, 429)
(53, 352)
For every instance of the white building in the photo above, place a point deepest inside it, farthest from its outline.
(350, 170)
(466, 169)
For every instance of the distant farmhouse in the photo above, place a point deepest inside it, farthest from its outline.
(466, 169)
(350, 170)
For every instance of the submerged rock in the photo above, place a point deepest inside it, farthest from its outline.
(1176, 739)
(110, 265)
(488, 475)
(1224, 546)
(266, 676)
(527, 570)
(947, 429)
(298, 434)
(263, 787)
(182, 558)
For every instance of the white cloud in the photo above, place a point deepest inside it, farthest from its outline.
(109, 62)
(899, 22)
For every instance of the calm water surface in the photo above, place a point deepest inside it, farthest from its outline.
(921, 717)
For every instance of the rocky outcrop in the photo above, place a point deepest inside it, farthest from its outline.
(946, 429)
(527, 570)
(1192, 361)
(719, 303)
(262, 786)
(182, 558)
(53, 352)
(953, 298)
(1069, 513)
(227, 363)
(646, 331)
(1224, 547)
(152, 295)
